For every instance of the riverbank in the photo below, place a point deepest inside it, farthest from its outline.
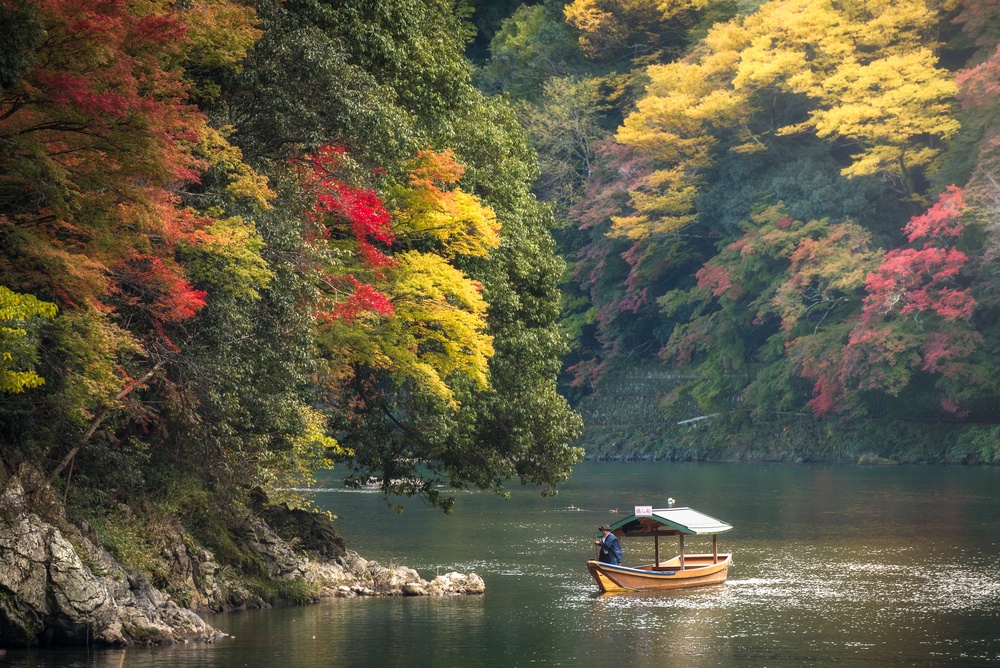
(643, 413)
(62, 586)
(739, 436)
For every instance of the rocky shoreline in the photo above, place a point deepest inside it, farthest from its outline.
(60, 586)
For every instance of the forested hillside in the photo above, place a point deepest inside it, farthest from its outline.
(241, 242)
(792, 204)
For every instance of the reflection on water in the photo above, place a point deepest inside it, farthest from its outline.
(832, 565)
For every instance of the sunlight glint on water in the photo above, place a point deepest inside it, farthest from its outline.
(846, 565)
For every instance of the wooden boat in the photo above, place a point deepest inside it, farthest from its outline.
(683, 570)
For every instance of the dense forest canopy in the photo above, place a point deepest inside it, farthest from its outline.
(792, 202)
(240, 241)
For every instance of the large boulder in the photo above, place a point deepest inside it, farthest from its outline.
(312, 533)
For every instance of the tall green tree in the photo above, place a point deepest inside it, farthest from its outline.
(386, 82)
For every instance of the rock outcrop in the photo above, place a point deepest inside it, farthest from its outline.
(60, 586)
(352, 575)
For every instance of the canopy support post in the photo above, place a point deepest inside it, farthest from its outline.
(715, 548)
(682, 551)
(656, 548)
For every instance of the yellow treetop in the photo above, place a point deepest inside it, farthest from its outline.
(867, 66)
(433, 207)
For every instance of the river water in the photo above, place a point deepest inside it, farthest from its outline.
(832, 565)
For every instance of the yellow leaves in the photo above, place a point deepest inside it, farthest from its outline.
(594, 16)
(430, 209)
(585, 15)
(435, 166)
(612, 24)
(666, 207)
(17, 352)
(220, 33)
(229, 257)
(96, 349)
(670, 8)
(672, 125)
(761, 65)
(885, 106)
(286, 472)
(868, 67)
(438, 329)
(433, 340)
(214, 147)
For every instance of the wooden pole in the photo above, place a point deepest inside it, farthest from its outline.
(682, 551)
(715, 549)
(656, 548)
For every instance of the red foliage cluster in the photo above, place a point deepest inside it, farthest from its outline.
(686, 342)
(914, 280)
(825, 368)
(98, 135)
(889, 342)
(941, 220)
(719, 281)
(943, 350)
(634, 302)
(102, 72)
(158, 285)
(362, 298)
(339, 204)
(360, 208)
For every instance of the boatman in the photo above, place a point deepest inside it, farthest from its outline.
(611, 549)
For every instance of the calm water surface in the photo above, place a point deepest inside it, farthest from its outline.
(833, 566)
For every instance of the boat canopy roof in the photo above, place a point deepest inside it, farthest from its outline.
(684, 520)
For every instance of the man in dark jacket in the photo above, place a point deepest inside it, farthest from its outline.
(611, 550)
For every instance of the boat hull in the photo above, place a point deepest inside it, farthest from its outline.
(699, 570)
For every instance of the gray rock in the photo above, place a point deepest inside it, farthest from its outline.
(59, 587)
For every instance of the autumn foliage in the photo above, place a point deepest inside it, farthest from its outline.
(101, 140)
(794, 201)
(917, 314)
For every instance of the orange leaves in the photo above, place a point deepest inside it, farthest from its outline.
(718, 281)
(101, 140)
(158, 286)
(434, 209)
(409, 313)
(433, 167)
